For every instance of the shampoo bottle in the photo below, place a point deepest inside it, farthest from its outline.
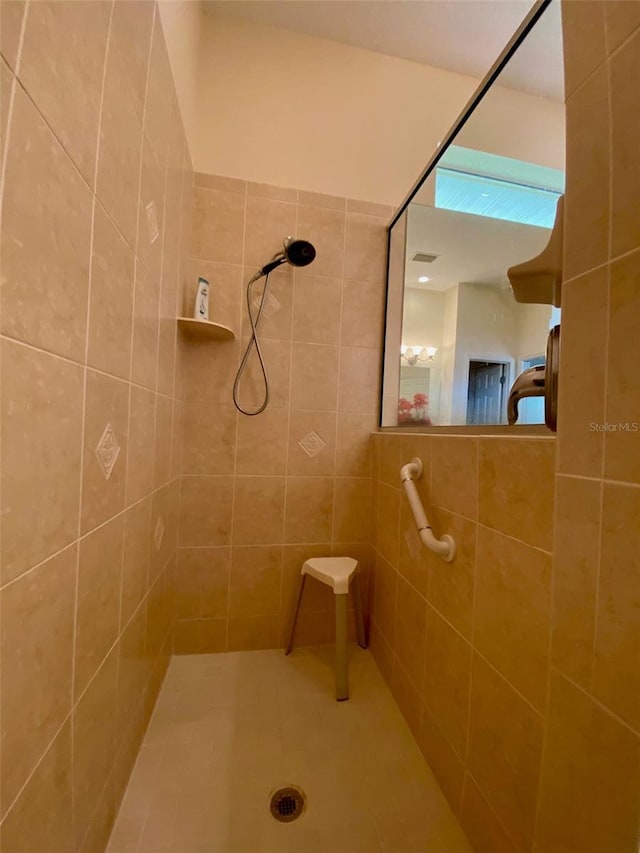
(202, 300)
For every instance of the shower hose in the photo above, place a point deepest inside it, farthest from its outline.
(253, 342)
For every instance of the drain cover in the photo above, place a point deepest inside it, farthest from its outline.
(287, 804)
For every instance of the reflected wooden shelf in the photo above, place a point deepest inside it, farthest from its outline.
(204, 330)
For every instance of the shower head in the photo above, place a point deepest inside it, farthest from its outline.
(298, 253)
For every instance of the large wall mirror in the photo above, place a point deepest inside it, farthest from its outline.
(455, 336)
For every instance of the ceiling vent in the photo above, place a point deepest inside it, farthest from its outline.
(424, 258)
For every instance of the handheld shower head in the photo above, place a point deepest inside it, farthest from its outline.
(298, 253)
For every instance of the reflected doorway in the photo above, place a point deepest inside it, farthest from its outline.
(487, 391)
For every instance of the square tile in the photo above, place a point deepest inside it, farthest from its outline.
(505, 748)
(42, 399)
(111, 299)
(37, 665)
(98, 605)
(104, 471)
(46, 235)
(67, 42)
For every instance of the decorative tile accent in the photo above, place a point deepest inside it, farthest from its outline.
(107, 451)
(271, 305)
(312, 444)
(158, 533)
(413, 541)
(152, 222)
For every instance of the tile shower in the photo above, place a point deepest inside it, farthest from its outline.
(261, 494)
(91, 272)
(130, 489)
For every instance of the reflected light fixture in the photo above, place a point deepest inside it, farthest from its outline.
(417, 355)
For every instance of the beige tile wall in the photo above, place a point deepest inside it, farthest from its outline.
(254, 504)
(91, 137)
(465, 646)
(590, 778)
(518, 665)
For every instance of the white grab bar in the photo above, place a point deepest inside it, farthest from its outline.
(445, 547)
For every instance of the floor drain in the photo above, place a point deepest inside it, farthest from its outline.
(287, 804)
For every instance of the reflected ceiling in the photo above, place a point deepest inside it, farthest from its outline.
(491, 247)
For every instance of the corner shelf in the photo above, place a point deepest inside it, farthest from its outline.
(204, 330)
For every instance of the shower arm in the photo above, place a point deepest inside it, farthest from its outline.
(445, 547)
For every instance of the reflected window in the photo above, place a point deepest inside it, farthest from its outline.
(497, 187)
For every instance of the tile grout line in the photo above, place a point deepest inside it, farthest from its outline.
(3, 165)
(288, 440)
(84, 536)
(245, 206)
(83, 448)
(607, 343)
(136, 264)
(155, 27)
(473, 629)
(474, 649)
(547, 703)
(607, 323)
(596, 603)
(609, 482)
(498, 819)
(15, 81)
(338, 378)
(34, 769)
(51, 354)
(622, 44)
(604, 708)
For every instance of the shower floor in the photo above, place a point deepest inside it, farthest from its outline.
(230, 728)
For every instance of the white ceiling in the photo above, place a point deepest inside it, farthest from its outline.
(460, 35)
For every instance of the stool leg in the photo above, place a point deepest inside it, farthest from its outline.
(294, 618)
(342, 671)
(357, 608)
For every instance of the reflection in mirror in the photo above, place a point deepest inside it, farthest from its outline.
(456, 337)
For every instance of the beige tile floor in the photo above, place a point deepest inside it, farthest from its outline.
(229, 728)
